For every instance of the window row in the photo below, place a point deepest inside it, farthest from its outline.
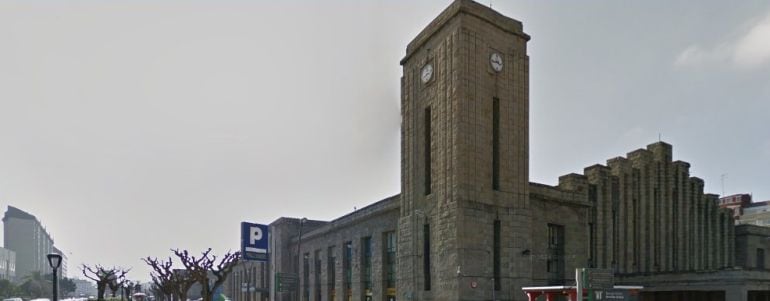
(365, 276)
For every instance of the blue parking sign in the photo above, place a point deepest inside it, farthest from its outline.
(254, 241)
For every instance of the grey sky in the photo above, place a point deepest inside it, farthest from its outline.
(132, 128)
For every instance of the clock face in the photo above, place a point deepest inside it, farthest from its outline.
(426, 73)
(496, 61)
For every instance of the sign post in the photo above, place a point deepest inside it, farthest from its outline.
(254, 241)
(595, 281)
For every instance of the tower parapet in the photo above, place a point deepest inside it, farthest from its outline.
(651, 216)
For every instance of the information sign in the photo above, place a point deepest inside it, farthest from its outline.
(599, 279)
(254, 241)
(615, 295)
(286, 282)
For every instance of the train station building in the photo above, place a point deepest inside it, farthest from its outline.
(468, 224)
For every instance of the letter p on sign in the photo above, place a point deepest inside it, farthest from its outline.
(256, 235)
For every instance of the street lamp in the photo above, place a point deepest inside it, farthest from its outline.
(54, 260)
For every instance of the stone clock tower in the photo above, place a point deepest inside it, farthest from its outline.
(464, 221)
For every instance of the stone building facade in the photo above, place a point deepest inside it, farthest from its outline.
(468, 224)
(646, 197)
(746, 211)
(248, 282)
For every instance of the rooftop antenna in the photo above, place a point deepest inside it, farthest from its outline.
(660, 137)
(723, 177)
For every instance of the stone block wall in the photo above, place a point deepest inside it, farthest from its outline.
(564, 206)
(454, 145)
(372, 221)
(748, 240)
(651, 216)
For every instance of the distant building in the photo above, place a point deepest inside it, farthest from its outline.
(248, 281)
(27, 237)
(7, 264)
(735, 202)
(756, 214)
(745, 211)
(63, 267)
(84, 288)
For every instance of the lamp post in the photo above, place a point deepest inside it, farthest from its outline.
(54, 260)
(299, 252)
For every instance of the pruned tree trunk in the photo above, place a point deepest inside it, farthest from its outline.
(104, 278)
(101, 288)
(200, 268)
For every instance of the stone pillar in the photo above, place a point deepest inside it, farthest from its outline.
(686, 223)
(731, 241)
(716, 229)
(700, 224)
(709, 233)
(681, 235)
(640, 161)
(339, 292)
(598, 175)
(726, 242)
(621, 170)
(650, 222)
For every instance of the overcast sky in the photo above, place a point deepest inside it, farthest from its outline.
(132, 128)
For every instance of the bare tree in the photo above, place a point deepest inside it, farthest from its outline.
(104, 277)
(205, 269)
(170, 282)
(114, 284)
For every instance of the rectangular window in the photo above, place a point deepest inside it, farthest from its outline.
(426, 149)
(331, 277)
(591, 248)
(761, 259)
(306, 277)
(496, 254)
(555, 264)
(366, 267)
(317, 273)
(426, 256)
(495, 144)
(390, 264)
(347, 269)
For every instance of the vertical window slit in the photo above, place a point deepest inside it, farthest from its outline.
(426, 256)
(426, 150)
(496, 143)
(496, 255)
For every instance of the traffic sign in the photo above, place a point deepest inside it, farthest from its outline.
(599, 279)
(596, 281)
(286, 282)
(254, 241)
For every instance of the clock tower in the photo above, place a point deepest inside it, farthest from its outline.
(464, 225)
